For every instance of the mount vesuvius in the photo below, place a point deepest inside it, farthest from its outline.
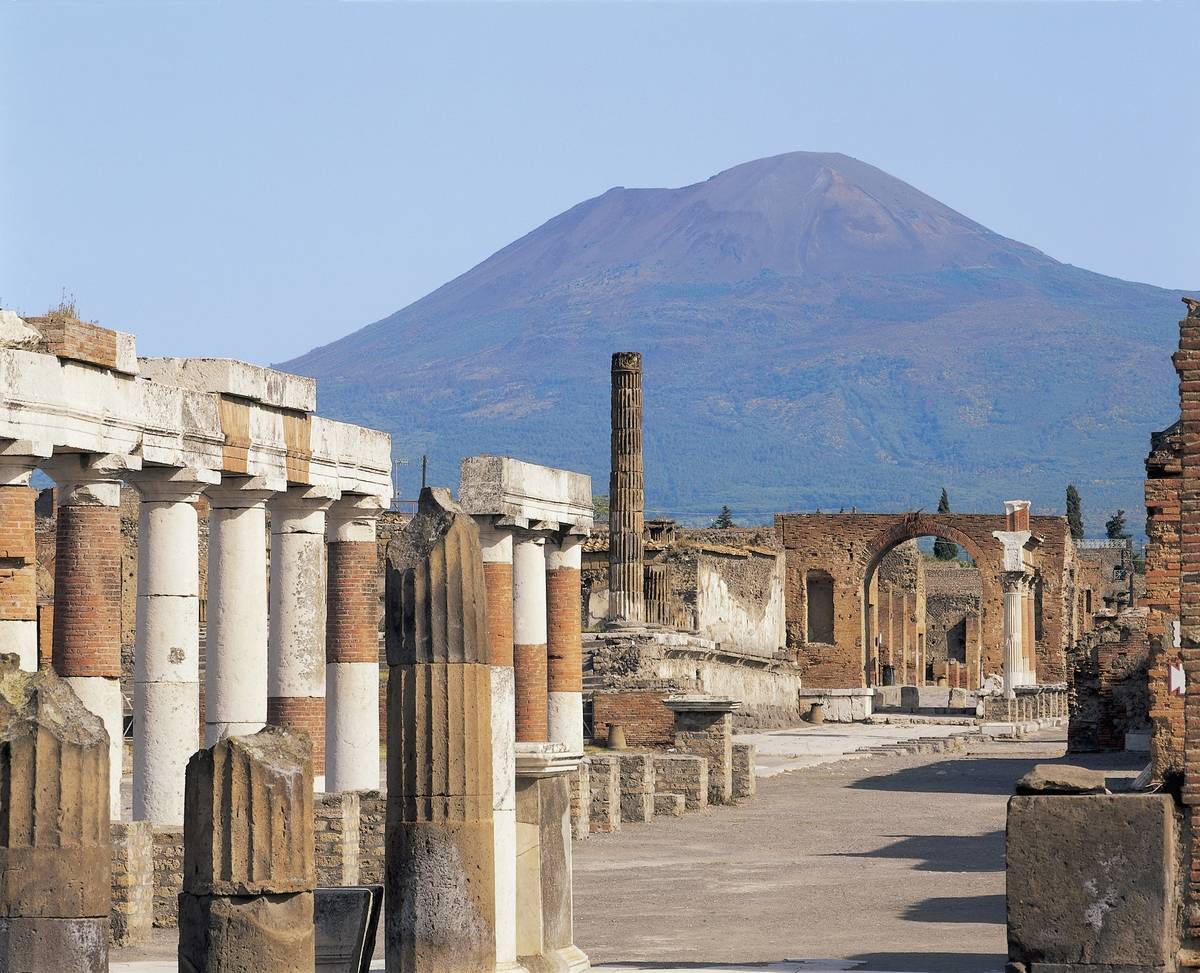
(815, 332)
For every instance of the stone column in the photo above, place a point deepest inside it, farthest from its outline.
(18, 558)
(1030, 624)
(235, 678)
(166, 686)
(440, 896)
(626, 492)
(87, 594)
(564, 643)
(1012, 582)
(296, 646)
(55, 840)
(496, 544)
(248, 856)
(529, 637)
(545, 917)
(704, 728)
(352, 647)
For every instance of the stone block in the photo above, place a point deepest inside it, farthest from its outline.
(246, 934)
(249, 807)
(669, 805)
(44, 945)
(581, 800)
(1061, 779)
(132, 915)
(743, 770)
(605, 794)
(679, 773)
(637, 787)
(336, 837)
(1091, 881)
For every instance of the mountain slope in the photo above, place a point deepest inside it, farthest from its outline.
(815, 333)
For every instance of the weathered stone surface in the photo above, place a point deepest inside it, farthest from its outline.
(668, 805)
(637, 787)
(54, 945)
(709, 735)
(605, 794)
(249, 813)
(1061, 779)
(15, 333)
(246, 934)
(440, 907)
(626, 491)
(1091, 881)
(743, 781)
(679, 773)
(56, 859)
(132, 915)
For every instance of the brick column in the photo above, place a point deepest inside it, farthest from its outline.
(496, 546)
(352, 647)
(626, 492)
(296, 647)
(18, 560)
(87, 594)
(564, 644)
(529, 637)
(166, 688)
(235, 677)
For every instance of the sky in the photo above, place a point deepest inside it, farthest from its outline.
(255, 179)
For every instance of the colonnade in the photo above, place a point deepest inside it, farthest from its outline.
(280, 638)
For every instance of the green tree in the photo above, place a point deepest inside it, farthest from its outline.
(1114, 527)
(943, 549)
(600, 506)
(1075, 512)
(724, 519)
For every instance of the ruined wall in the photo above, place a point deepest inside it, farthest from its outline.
(897, 604)
(1109, 692)
(953, 593)
(848, 547)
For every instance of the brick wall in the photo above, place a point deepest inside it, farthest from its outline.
(1109, 694)
(76, 340)
(18, 554)
(647, 722)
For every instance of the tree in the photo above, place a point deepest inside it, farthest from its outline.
(1075, 513)
(943, 549)
(724, 519)
(600, 506)
(1114, 527)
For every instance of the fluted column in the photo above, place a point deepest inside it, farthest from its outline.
(496, 543)
(440, 897)
(18, 555)
(235, 678)
(626, 492)
(352, 647)
(166, 678)
(87, 593)
(296, 645)
(1012, 582)
(564, 646)
(529, 637)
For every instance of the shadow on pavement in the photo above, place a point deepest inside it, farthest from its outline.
(929, 962)
(967, 908)
(943, 852)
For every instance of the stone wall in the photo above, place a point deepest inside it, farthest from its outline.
(647, 722)
(1109, 694)
(953, 593)
(132, 913)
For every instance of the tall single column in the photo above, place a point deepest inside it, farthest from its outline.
(18, 560)
(352, 647)
(529, 637)
(564, 643)
(166, 677)
(296, 647)
(1012, 582)
(235, 676)
(496, 544)
(440, 898)
(626, 492)
(87, 594)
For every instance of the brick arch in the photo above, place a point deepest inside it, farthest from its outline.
(921, 525)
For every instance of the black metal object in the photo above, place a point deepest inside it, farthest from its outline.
(346, 921)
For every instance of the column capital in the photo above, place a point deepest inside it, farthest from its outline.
(352, 517)
(19, 458)
(300, 510)
(89, 479)
(495, 539)
(1012, 581)
(172, 483)
(239, 492)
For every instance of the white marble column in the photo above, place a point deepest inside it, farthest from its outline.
(18, 586)
(1012, 630)
(296, 653)
(166, 687)
(235, 683)
(352, 646)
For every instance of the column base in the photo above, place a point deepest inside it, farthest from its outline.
(569, 959)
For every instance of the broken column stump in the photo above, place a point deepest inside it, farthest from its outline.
(248, 861)
(56, 844)
(440, 904)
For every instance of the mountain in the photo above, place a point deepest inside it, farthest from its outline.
(815, 333)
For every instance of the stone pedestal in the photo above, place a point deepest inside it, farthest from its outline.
(440, 903)
(87, 593)
(604, 793)
(626, 493)
(637, 787)
(166, 688)
(545, 930)
(235, 677)
(248, 868)
(704, 727)
(296, 646)
(55, 840)
(352, 647)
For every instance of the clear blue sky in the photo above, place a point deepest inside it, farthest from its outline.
(252, 179)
